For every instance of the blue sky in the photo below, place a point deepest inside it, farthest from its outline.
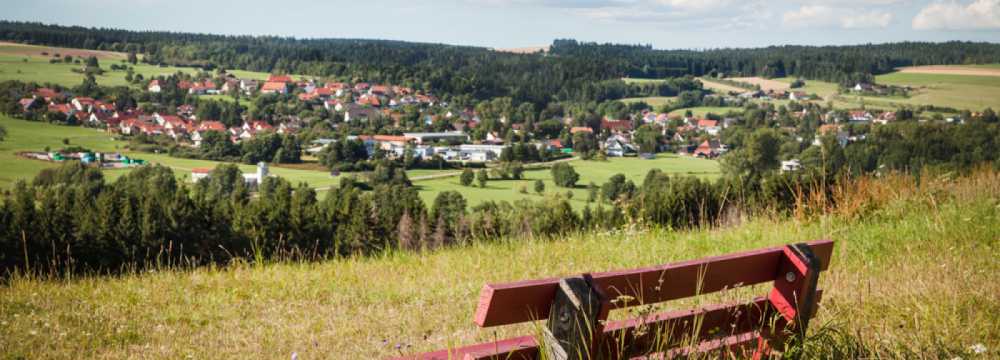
(668, 24)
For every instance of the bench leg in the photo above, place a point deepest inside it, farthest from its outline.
(576, 320)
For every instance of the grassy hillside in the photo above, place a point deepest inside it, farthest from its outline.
(26, 63)
(913, 276)
(654, 101)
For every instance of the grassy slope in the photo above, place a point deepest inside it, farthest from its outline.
(597, 171)
(654, 101)
(917, 274)
(37, 67)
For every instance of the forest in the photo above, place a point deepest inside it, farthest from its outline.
(570, 71)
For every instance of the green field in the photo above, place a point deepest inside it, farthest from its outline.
(38, 69)
(641, 80)
(654, 101)
(956, 91)
(248, 103)
(913, 276)
(590, 171)
(820, 88)
(26, 63)
(35, 136)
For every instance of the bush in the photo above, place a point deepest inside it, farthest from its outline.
(564, 175)
(539, 186)
(467, 177)
(481, 177)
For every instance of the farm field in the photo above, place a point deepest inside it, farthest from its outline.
(765, 84)
(880, 298)
(974, 70)
(654, 101)
(598, 172)
(720, 87)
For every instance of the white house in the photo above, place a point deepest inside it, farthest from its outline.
(252, 179)
(431, 137)
(791, 165)
(154, 86)
(481, 153)
(618, 146)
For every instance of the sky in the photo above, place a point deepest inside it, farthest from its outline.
(664, 24)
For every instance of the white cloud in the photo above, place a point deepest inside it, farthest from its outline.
(696, 5)
(979, 14)
(808, 16)
(825, 16)
(868, 20)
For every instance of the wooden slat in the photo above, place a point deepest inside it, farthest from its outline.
(714, 320)
(516, 302)
(668, 330)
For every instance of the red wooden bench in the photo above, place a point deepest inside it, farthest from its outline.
(577, 308)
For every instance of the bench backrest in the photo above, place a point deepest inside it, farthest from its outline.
(793, 269)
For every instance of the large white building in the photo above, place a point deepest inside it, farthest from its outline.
(251, 179)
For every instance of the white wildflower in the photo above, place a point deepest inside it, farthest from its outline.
(978, 348)
(295, 356)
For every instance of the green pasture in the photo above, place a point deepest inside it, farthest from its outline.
(594, 171)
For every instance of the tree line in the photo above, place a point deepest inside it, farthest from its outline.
(570, 71)
(71, 219)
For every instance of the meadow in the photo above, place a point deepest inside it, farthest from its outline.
(35, 136)
(595, 171)
(912, 276)
(654, 101)
(26, 63)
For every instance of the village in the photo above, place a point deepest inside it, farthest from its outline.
(361, 102)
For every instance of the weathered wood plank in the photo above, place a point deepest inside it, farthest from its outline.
(516, 302)
(720, 326)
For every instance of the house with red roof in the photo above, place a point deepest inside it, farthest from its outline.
(616, 126)
(26, 103)
(579, 129)
(46, 93)
(274, 87)
(285, 79)
(709, 149)
(82, 103)
(370, 100)
(709, 126)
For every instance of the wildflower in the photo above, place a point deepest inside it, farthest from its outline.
(295, 356)
(978, 348)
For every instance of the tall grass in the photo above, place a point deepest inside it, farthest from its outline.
(913, 276)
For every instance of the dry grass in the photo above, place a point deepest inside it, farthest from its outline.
(913, 276)
(952, 70)
(765, 84)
